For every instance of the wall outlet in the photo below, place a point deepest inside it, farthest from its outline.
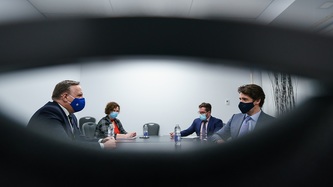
(227, 102)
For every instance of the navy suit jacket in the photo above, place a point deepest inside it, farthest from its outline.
(51, 121)
(214, 124)
(231, 129)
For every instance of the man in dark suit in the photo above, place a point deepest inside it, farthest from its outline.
(56, 118)
(205, 125)
(252, 98)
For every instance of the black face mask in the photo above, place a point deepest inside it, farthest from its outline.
(245, 107)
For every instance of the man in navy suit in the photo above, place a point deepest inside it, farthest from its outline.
(56, 118)
(205, 125)
(252, 98)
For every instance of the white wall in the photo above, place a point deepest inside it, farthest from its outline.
(160, 90)
(166, 91)
(23, 92)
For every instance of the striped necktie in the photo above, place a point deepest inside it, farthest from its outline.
(204, 130)
(75, 130)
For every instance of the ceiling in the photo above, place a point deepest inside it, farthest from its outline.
(312, 15)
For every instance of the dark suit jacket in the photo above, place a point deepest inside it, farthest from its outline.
(214, 124)
(51, 121)
(231, 129)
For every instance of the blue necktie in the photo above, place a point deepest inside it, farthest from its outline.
(245, 126)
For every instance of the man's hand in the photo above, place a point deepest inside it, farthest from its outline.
(106, 139)
(219, 141)
(172, 134)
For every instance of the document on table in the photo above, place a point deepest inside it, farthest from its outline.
(190, 137)
(131, 138)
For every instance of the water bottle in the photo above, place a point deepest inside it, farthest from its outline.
(177, 135)
(110, 130)
(145, 131)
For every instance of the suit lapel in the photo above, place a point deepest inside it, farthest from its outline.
(261, 120)
(237, 123)
(209, 125)
(67, 125)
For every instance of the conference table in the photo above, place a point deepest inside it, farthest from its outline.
(160, 143)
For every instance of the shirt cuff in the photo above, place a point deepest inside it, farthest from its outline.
(102, 145)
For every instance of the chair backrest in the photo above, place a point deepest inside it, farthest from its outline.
(86, 119)
(153, 129)
(88, 129)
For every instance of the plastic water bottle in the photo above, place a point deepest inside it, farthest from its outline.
(110, 130)
(145, 131)
(177, 135)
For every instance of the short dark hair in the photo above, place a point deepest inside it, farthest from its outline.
(63, 86)
(254, 91)
(207, 106)
(110, 106)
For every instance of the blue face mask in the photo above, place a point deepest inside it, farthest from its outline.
(78, 104)
(203, 117)
(245, 107)
(113, 115)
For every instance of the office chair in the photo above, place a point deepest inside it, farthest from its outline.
(88, 129)
(86, 119)
(153, 129)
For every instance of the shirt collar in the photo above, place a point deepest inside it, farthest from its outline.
(255, 116)
(64, 109)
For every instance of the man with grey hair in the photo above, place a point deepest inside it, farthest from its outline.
(56, 119)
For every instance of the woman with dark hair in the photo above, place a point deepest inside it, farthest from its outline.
(112, 110)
